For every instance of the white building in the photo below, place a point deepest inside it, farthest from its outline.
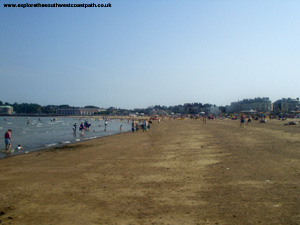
(77, 111)
(257, 104)
(6, 109)
(286, 105)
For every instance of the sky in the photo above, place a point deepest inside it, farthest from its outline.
(140, 53)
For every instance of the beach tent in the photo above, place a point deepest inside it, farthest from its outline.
(248, 111)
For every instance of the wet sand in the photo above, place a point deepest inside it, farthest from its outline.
(178, 172)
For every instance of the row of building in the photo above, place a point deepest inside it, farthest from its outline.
(73, 111)
(264, 105)
(259, 105)
(256, 105)
(196, 108)
(77, 111)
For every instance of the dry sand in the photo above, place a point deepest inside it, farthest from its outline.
(179, 172)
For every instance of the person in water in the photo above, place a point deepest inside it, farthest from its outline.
(87, 125)
(19, 148)
(75, 127)
(7, 139)
(81, 128)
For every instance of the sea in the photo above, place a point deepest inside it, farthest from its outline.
(34, 133)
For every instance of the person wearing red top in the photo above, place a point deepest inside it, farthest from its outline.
(7, 139)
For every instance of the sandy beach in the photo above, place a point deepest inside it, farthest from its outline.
(178, 172)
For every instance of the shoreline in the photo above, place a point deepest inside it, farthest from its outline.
(58, 146)
(53, 139)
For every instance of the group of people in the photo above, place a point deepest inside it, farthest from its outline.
(144, 125)
(86, 126)
(243, 120)
(83, 126)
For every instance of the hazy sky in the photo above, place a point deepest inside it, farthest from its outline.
(142, 53)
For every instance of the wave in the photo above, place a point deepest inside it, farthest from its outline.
(49, 145)
(90, 138)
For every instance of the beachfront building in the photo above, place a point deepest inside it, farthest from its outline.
(77, 111)
(196, 108)
(6, 109)
(257, 104)
(286, 105)
(214, 110)
(178, 109)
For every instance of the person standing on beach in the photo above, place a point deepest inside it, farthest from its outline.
(7, 139)
(242, 121)
(249, 120)
(121, 128)
(144, 126)
(136, 126)
(132, 126)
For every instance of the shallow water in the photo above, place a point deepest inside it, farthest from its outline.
(42, 133)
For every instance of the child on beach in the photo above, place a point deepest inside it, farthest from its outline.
(19, 148)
